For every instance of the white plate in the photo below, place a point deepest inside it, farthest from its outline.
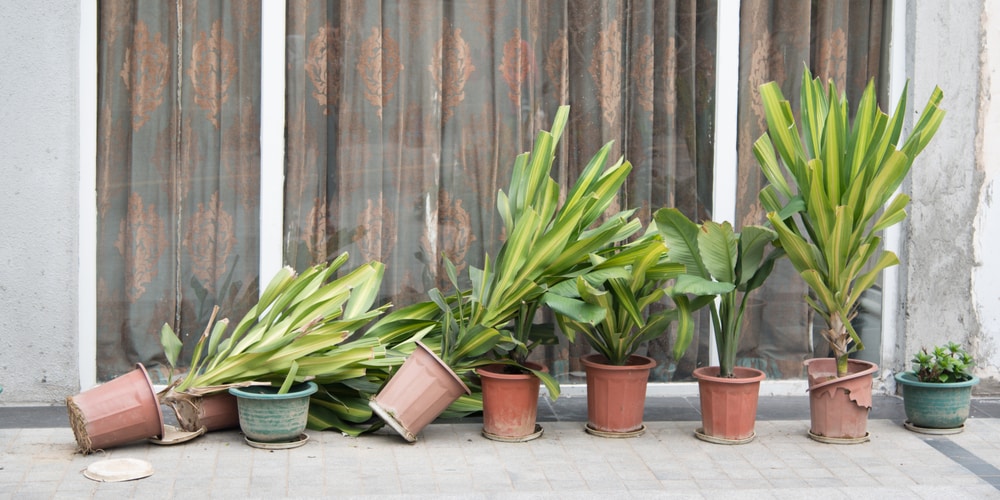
(118, 469)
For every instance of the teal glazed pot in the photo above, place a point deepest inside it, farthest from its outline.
(269, 417)
(935, 405)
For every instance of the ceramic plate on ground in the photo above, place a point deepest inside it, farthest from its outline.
(118, 469)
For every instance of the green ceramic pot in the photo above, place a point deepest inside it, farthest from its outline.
(935, 405)
(269, 417)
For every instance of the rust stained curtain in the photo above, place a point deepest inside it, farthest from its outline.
(178, 172)
(404, 119)
(839, 40)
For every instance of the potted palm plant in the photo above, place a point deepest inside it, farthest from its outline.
(724, 265)
(490, 327)
(829, 198)
(937, 393)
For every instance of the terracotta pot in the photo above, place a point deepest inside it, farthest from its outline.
(616, 395)
(728, 405)
(933, 407)
(510, 403)
(839, 406)
(215, 412)
(417, 393)
(116, 412)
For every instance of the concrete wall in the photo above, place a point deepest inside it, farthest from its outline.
(39, 161)
(986, 274)
(952, 265)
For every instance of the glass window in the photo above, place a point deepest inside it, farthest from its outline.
(402, 122)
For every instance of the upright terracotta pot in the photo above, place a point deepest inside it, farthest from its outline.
(510, 403)
(116, 412)
(616, 395)
(839, 406)
(728, 405)
(417, 393)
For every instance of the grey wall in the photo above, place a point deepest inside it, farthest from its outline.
(39, 161)
(945, 184)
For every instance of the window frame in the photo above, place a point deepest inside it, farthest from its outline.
(272, 172)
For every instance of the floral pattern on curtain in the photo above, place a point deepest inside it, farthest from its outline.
(839, 40)
(178, 172)
(404, 118)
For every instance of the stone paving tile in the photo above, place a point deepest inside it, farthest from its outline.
(453, 460)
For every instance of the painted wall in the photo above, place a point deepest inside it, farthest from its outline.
(39, 160)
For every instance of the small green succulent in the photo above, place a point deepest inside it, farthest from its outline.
(948, 363)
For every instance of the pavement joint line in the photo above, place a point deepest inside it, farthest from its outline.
(986, 471)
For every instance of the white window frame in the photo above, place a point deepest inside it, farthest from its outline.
(272, 173)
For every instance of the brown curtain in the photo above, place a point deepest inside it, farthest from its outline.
(839, 40)
(178, 172)
(404, 119)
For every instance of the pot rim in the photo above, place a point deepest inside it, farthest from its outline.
(869, 369)
(635, 362)
(704, 373)
(309, 389)
(496, 371)
(910, 378)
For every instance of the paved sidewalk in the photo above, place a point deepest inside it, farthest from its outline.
(452, 460)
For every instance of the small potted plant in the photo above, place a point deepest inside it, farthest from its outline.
(829, 198)
(937, 393)
(630, 295)
(729, 265)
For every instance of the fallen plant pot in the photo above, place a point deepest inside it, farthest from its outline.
(116, 412)
(217, 411)
(417, 393)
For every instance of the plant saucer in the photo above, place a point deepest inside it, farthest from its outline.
(833, 440)
(608, 434)
(515, 439)
(282, 445)
(175, 435)
(932, 431)
(700, 434)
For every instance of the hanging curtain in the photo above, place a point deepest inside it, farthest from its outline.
(178, 171)
(404, 118)
(839, 40)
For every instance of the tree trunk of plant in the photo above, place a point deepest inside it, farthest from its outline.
(839, 341)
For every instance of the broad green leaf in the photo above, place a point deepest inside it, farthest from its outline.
(719, 249)
(681, 237)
